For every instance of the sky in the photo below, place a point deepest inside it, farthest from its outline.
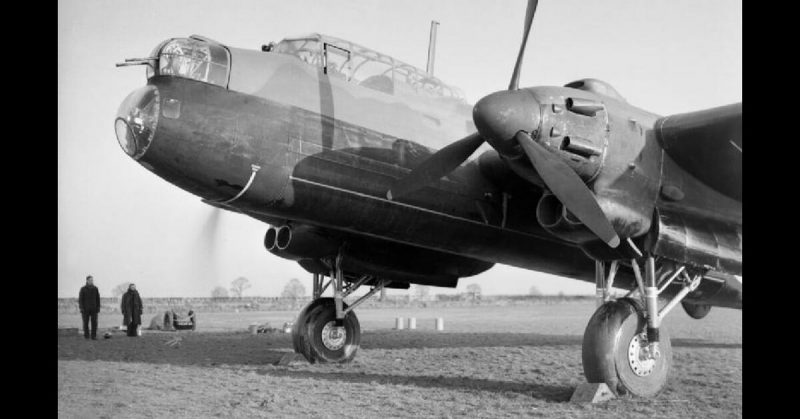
(121, 223)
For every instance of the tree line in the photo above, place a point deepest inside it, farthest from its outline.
(295, 289)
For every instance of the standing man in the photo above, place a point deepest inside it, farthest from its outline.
(89, 304)
(131, 309)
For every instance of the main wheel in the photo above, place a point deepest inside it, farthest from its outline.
(300, 323)
(613, 350)
(327, 342)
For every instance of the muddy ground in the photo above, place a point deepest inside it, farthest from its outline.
(489, 362)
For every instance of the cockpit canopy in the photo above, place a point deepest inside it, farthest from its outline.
(193, 58)
(365, 67)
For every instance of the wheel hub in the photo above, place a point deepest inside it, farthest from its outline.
(639, 359)
(333, 337)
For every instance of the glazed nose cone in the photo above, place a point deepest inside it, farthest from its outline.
(500, 115)
(137, 120)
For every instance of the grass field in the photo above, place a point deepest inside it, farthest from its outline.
(519, 361)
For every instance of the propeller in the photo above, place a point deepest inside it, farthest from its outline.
(203, 271)
(208, 235)
(503, 119)
(569, 188)
(529, 12)
(437, 165)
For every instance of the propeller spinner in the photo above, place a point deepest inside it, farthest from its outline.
(505, 120)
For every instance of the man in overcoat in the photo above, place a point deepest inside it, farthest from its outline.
(89, 304)
(131, 308)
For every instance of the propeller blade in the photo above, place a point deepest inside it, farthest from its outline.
(514, 85)
(436, 166)
(569, 188)
(208, 235)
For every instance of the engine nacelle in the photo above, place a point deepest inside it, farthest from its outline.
(695, 240)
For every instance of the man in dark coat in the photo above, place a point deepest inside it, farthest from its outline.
(89, 304)
(131, 309)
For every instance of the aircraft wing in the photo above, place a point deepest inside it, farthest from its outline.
(708, 145)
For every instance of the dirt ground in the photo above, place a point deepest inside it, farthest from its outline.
(489, 362)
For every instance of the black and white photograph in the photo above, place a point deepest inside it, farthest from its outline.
(405, 209)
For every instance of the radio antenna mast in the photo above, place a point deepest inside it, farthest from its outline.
(432, 48)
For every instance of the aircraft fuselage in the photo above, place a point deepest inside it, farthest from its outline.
(292, 143)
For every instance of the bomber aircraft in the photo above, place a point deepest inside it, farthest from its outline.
(360, 164)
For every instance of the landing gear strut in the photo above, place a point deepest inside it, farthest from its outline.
(624, 344)
(327, 329)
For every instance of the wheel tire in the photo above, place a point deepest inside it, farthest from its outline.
(696, 311)
(606, 343)
(299, 326)
(322, 317)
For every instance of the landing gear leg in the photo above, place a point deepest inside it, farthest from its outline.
(338, 295)
(624, 344)
(317, 290)
(603, 283)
